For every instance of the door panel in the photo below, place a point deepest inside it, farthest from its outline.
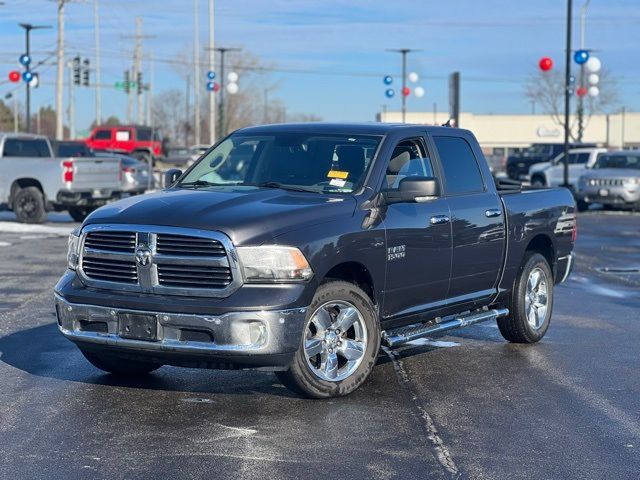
(418, 257)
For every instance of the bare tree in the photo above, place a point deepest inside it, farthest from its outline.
(547, 90)
(169, 114)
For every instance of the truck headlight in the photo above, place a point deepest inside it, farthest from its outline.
(270, 263)
(632, 181)
(73, 249)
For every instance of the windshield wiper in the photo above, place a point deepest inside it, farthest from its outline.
(292, 188)
(201, 183)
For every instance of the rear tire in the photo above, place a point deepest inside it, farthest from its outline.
(342, 327)
(28, 205)
(119, 366)
(531, 302)
(538, 182)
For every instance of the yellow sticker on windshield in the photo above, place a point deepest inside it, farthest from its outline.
(337, 174)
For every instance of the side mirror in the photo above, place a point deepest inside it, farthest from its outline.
(414, 189)
(170, 176)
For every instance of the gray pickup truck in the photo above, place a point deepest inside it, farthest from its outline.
(33, 180)
(302, 248)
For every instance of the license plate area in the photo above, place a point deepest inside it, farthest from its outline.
(603, 192)
(135, 326)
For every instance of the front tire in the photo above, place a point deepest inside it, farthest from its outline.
(119, 366)
(339, 345)
(80, 213)
(582, 206)
(531, 302)
(28, 205)
(538, 182)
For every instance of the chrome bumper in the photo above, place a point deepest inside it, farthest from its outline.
(230, 336)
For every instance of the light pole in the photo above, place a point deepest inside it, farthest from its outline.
(27, 31)
(583, 13)
(404, 52)
(567, 93)
(222, 124)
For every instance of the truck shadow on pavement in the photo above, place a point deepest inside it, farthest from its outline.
(42, 351)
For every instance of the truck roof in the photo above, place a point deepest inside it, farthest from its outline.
(365, 128)
(32, 136)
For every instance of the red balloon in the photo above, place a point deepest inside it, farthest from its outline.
(406, 91)
(582, 91)
(545, 64)
(216, 86)
(14, 76)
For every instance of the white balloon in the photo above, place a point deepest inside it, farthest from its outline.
(593, 65)
(594, 91)
(594, 78)
(232, 77)
(413, 77)
(418, 92)
(232, 88)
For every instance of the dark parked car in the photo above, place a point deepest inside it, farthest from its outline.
(302, 248)
(518, 165)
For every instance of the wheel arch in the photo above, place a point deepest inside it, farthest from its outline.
(21, 183)
(543, 245)
(356, 273)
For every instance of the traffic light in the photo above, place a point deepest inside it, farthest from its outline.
(76, 70)
(127, 82)
(85, 72)
(139, 83)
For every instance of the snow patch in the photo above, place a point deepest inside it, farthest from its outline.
(433, 343)
(5, 244)
(13, 227)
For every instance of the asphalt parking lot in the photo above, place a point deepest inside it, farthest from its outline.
(467, 405)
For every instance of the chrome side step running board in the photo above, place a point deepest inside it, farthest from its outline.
(401, 335)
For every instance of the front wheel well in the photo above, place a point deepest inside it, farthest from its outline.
(23, 183)
(356, 273)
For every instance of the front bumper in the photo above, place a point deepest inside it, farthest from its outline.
(615, 195)
(242, 339)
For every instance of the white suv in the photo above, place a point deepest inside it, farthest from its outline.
(551, 174)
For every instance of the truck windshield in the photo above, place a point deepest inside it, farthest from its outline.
(291, 161)
(618, 161)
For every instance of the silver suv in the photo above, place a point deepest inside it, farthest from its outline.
(614, 180)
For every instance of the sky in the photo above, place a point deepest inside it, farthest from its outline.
(328, 57)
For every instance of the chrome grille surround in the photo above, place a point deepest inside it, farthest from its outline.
(223, 278)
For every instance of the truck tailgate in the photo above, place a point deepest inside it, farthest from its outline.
(91, 173)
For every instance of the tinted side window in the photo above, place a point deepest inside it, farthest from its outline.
(581, 158)
(16, 147)
(103, 135)
(409, 159)
(143, 134)
(461, 171)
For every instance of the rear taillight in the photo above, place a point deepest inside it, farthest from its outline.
(128, 170)
(67, 171)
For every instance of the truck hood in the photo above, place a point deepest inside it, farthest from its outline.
(248, 217)
(612, 173)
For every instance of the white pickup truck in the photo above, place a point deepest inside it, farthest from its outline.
(551, 174)
(33, 181)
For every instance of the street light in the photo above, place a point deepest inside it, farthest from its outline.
(27, 65)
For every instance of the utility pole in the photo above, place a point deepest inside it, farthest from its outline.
(196, 72)
(152, 68)
(60, 72)
(567, 97)
(583, 13)
(72, 104)
(222, 120)
(186, 113)
(16, 119)
(212, 55)
(136, 73)
(404, 52)
(96, 22)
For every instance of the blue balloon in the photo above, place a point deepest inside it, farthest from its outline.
(389, 92)
(581, 57)
(25, 59)
(27, 76)
(388, 79)
(210, 86)
(211, 75)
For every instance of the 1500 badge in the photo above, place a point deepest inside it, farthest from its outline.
(395, 253)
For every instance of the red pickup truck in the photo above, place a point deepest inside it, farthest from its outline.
(143, 143)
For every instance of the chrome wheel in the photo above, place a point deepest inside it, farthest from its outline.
(537, 298)
(335, 341)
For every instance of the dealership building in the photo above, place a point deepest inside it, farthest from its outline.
(500, 135)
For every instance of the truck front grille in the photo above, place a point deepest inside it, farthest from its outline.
(606, 182)
(190, 246)
(163, 260)
(110, 270)
(193, 276)
(111, 241)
